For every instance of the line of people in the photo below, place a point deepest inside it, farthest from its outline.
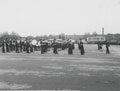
(27, 46)
(17, 46)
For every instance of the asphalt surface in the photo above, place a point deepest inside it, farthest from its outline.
(94, 71)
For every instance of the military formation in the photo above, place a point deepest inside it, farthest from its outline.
(29, 46)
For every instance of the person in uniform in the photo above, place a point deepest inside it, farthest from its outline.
(107, 47)
(24, 45)
(70, 47)
(46, 46)
(27, 47)
(55, 47)
(7, 46)
(31, 47)
(42, 47)
(81, 47)
(21, 45)
(3, 46)
(11, 46)
(17, 46)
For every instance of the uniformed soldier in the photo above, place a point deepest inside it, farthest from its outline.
(3, 46)
(42, 47)
(27, 47)
(7, 46)
(46, 46)
(21, 45)
(55, 47)
(81, 47)
(39, 45)
(17, 46)
(11, 46)
(107, 47)
(24, 45)
(70, 47)
(31, 47)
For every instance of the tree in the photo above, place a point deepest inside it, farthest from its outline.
(94, 33)
(14, 36)
(62, 36)
(29, 37)
(86, 35)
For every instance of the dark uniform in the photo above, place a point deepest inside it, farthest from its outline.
(24, 46)
(17, 47)
(7, 46)
(42, 47)
(21, 46)
(11, 46)
(27, 47)
(55, 47)
(3, 47)
(31, 47)
(107, 47)
(81, 47)
(70, 48)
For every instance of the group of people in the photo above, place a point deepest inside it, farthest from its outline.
(17, 46)
(107, 44)
(30, 46)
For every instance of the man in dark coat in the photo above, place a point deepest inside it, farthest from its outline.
(17, 46)
(81, 47)
(55, 47)
(7, 46)
(27, 47)
(107, 47)
(31, 47)
(3, 46)
(43, 47)
(21, 45)
(11, 46)
(70, 47)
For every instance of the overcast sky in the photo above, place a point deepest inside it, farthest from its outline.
(39, 17)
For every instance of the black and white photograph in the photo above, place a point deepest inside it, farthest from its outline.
(60, 45)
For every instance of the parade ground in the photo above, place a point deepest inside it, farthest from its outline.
(94, 71)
